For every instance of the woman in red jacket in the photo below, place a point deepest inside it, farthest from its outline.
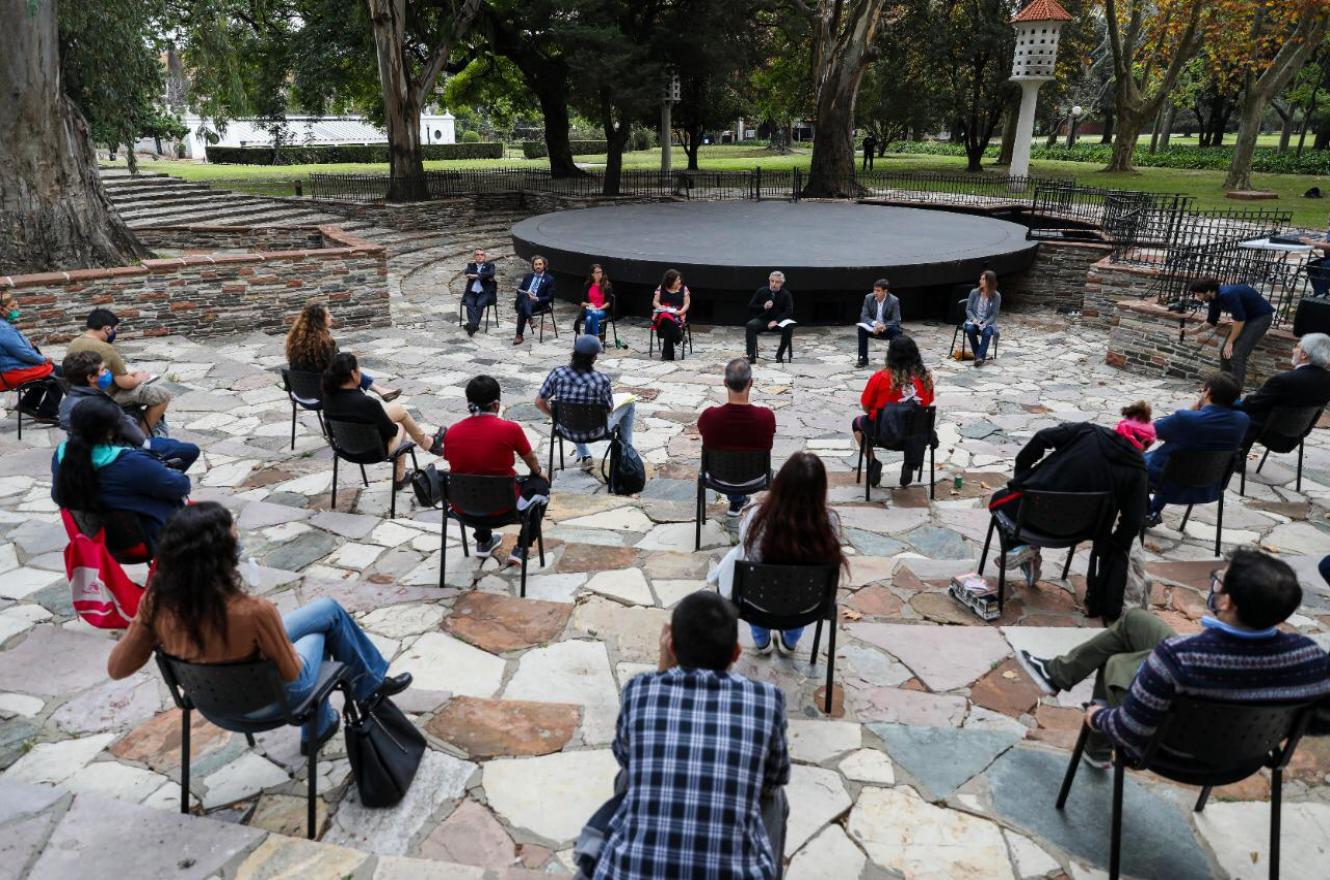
(903, 378)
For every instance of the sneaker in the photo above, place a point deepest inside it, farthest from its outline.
(1097, 755)
(1017, 556)
(978, 362)
(1034, 569)
(485, 548)
(735, 508)
(515, 558)
(875, 472)
(1037, 669)
(587, 463)
(784, 649)
(766, 647)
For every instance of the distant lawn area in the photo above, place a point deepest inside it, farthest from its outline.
(1204, 186)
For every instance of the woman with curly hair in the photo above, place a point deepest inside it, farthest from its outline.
(903, 378)
(310, 348)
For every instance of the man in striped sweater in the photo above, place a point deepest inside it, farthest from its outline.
(1240, 655)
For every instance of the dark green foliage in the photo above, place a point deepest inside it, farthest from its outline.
(1266, 160)
(320, 155)
(536, 149)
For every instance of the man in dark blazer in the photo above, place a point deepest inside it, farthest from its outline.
(533, 294)
(880, 318)
(1307, 384)
(481, 290)
(1211, 425)
(769, 306)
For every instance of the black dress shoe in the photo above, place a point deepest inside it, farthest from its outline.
(862, 362)
(875, 472)
(393, 684)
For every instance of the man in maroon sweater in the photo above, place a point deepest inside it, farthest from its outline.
(737, 425)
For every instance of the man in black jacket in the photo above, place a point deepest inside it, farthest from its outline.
(1085, 458)
(481, 290)
(1307, 384)
(880, 318)
(770, 306)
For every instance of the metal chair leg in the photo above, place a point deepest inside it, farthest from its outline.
(701, 512)
(1115, 835)
(1185, 517)
(988, 542)
(293, 426)
(249, 740)
(312, 796)
(1301, 444)
(549, 469)
(1066, 568)
(1276, 809)
(364, 477)
(1219, 522)
(184, 760)
(334, 485)
(1263, 458)
(1002, 578)
(443, 546)
(1070, 775)
(817, 640)
(831, 659)
(1200, 802)
(859, 462)
(932, 473)
(540, 545)
(392, 491)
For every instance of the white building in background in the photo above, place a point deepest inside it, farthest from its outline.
(303, 131)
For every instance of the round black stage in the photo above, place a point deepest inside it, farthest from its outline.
(830, 253)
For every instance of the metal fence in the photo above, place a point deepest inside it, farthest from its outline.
(1280, 275)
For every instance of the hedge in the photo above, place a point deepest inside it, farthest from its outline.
(536, 149)
(321, 155)
(1265, 160)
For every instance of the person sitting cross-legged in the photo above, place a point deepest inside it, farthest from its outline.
(129, 389)
(196, 609)
(1306, 384)
(578, 382)
(703, 757)
(481, 290)
(769, 307)
(88, 378)
(737, 425)
(1240, 655)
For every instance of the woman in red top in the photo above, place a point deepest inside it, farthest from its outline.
(903, 378)
(599, 299)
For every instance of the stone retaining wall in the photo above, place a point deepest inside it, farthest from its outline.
(1107, 284)
(1143, 338)
(1056, 279)
(450, 213)
(262, 239)
(214, 295)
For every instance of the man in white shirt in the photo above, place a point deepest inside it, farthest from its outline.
(880, 318)
(481, 290)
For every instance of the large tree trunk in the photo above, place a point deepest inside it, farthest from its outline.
(401, 112)
(548, 80)
(831, 170)
(692, 144)
(1167, 125)
(54, 212)
(1130, 124)
(616, 138)
(1107, 136)
(1009, 135)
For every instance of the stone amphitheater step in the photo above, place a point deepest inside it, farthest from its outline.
(169, 198)
(260, 213)
(195, 210)
(51, 834)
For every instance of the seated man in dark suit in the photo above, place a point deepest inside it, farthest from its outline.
(880, 318)
(770, 306)
(533, 294)
(1307, 384)
(481, 290)
(1212, 424)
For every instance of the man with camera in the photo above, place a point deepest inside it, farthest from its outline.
(1251, 316)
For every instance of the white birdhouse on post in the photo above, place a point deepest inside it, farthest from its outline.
(1037, 28)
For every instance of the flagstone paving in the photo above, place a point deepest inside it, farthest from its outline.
(942, 760)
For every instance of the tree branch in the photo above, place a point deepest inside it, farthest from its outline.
(439, 57)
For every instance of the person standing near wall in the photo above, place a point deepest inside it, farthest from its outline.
(1251, 315)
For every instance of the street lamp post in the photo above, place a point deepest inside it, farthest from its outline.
(669, 96)
(1037, 27)
(1074, 114)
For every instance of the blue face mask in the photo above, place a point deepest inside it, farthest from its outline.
(110, 336)
(105, 381)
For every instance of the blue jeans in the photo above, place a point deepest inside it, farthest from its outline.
(623, 417)
(176, 453)
(592, 326)
(322, 630)
(979, 339)
(1318, 274)
(366, 380)
(761, 634)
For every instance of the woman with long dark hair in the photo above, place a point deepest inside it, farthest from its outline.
(791, 525)
(345, 400)
(310, 348)
(94, 471)
(903, 378)
(598, 300)
(981, 314)
(669, 316)
(196, 609)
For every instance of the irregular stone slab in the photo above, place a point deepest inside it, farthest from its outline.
(115, 780)
(870, 666)
(260, 514)
(287, 858)
(401, 621)
(554, 587)
(23, 839)
(633, 633)
(1053, 641)
(389, 832)
(942, 657)
(900, 706)
(349, 525)
(820, 797)
(490, 728)
(54, 762)
(942, 759)
(571, 672)
(941, 608)
(625, 519)
(36, 537)
(157, 742)
(830, 854)
(869, 569)
(501, 623)
(627, 585)
(20, 704)
(23, 799)
(287, 814)
(1298, 537)
(816, 741)
(674, 565)
(470, 836)
(301, 551)
(146, 842)
(1007, 689)
(1024, 785)
(904, 834)
(594, 557)
(873, 544)
(402, 868)
(358, 596)
(242, 778)
(670, 591)
(1239, 834)
(939, 543)
(679, 537)
(1030, 859)
(113, 706)
(23, 582)
(884, 521)
(522, 790)
(440, 662)
(868, 765)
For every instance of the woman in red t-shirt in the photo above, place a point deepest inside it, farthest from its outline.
(903, 378)
(599, 299)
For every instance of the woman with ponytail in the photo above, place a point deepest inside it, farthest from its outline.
(95, 472)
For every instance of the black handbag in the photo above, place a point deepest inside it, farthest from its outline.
(427, 483)
(384, 749)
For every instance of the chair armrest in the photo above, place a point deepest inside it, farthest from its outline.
(402, 450)
(331, 674)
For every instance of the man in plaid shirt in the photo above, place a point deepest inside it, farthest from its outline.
(701, 750)
(578, 382)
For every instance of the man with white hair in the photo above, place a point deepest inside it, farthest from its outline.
(770, 306)
(1307, 384)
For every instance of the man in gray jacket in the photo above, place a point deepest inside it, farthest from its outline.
(880, 318)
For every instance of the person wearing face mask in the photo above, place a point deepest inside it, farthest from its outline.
(89, 378)
(1240, 655)
(21, 363)
(127, 388)
(1307, 384)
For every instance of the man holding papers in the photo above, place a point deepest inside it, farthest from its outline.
(772, 309)
(533, 295)
(880, 318)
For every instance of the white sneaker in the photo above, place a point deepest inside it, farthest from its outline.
(1017, 556)
(483, 550)
(785, 650)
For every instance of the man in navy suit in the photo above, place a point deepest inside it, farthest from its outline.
(481, 290)
(533, 294)
(1307, 384)
(1212, 424)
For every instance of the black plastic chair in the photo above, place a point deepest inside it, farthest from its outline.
(306, 392)
(1207, 743)
(782, 597)
(125, 539)
(225, 693)
(588, 421)
(684, 346)
(1286, 429)
(610, 307)
(19, 392)
(546, 311)
(733, 472)
(958, 318)
(1052, 520)
(471, 501)
(360, 443)
(922, 426)
(491, 305)
(1193, 469)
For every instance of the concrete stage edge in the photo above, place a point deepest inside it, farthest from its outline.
(830, 252)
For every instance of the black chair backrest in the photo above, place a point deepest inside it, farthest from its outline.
(305, 388)
(1225, 734)
(1195, 469)
(124, 529)
(736, 467)
(479, 496)
(1291, 422)
(1065, 514)
(223, 690)
(359, 442)
(919, 424)
(958, 311)
(583, 419)
(785, 596)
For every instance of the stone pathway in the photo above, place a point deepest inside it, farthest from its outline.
(941, 759)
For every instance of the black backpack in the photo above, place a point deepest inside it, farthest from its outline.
(625, 474)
